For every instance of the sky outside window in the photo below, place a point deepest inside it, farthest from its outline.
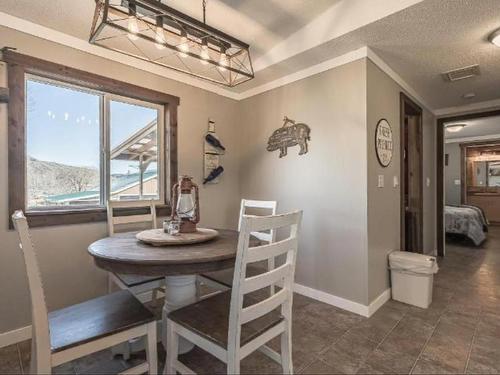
(62, 125)
(63, 134)
(63, 143)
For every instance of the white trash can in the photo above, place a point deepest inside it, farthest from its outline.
(412, 276)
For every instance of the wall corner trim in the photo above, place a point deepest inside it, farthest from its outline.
(344, 303)
(378, 302)
(15, 336)
(398, 79)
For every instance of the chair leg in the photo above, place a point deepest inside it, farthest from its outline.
(286, 350)
(233, 360)
(198, 288)
(172, 349)
(110, 284)
(154, 297)
(40, 362)
(151, 351)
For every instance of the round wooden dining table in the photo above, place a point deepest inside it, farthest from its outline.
(124, 254)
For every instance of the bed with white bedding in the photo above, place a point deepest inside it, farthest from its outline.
(466, 220)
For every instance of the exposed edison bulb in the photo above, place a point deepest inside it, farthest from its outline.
(133, 28)
(496, 39)
(183, 46)
(223, 62)
(204, 54)
(160, 38)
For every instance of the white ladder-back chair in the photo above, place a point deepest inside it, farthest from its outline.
(137, 284)
(223, 280)
(228, 325)
(79, 330)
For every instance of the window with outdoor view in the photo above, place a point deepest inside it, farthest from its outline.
(84, 147)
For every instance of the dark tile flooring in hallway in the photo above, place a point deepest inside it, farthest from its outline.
(458, 333)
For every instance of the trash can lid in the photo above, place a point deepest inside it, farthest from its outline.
(407, 259)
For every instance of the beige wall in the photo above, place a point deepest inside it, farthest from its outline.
(383, 101)
(67, 270)
(328, 183)
(349, 225)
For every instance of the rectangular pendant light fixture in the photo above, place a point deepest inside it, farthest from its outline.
(157, 33)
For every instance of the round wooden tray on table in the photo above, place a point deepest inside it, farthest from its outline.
(157, 237)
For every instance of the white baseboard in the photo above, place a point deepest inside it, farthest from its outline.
(344, 303)
(378, 302)
(15, 336)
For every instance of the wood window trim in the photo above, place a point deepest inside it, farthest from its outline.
(18, 66)
(405, 100)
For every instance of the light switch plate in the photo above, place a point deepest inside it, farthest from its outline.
(457, 182)
(428, 181)
(395, 181)
(380, 181)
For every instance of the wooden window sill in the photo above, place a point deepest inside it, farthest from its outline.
(47, 218)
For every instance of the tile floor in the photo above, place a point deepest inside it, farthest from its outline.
(459, 333)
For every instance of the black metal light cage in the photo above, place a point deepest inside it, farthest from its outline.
(155, 32)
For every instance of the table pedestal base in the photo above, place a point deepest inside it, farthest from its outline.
(179, 292)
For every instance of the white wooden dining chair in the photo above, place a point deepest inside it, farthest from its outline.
(139, 285)
(79, 330)
(233, 324)
(223, 280)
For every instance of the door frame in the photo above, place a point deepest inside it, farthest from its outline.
(440, 168)
(417, 111)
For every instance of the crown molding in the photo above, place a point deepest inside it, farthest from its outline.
(474, 107)
(307, 72)
(341, 18)
(398, 79)
(473, 138)
(58, 37)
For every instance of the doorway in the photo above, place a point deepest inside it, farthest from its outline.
(469, 188)
(411, 176)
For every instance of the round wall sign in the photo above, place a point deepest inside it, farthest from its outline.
(384, 143)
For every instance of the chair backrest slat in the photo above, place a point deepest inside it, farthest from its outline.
(270, 222)
(269, 206)
(264, 307)
(250, 203)
(258, 253)
(282, 276)
(40, 322)
(130, 219)
(265, 279)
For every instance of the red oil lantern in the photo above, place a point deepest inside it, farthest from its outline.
(186, 207)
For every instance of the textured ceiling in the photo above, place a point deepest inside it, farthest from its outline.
(478, 127)
(418, 43)
(440, 35)
(260, 23)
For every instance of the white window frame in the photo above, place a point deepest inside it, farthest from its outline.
(104, 130)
